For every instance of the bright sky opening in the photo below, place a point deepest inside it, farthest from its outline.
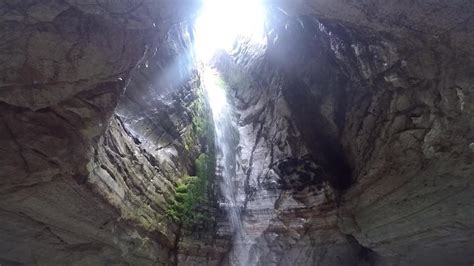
(221, 22)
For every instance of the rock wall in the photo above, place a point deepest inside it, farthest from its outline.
(356, 125)
(356, 145)
(290, 175)
(81, 181)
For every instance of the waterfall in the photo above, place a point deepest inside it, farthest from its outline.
(227, 139)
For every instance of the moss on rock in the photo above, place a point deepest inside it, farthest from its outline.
(192, 194)
(190, 203)
(202, 129)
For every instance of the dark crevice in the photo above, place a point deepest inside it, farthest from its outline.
(365, 255)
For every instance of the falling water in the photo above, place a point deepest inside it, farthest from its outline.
(227, 138)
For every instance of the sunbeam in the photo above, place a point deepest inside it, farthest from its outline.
(221, 22)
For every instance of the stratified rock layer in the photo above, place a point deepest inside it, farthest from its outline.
(355, 146)
(80, 185)
(356, 125)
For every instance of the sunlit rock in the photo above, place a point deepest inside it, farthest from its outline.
(338, 133)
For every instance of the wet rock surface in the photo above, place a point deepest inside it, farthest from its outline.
(290, 214)
(355, 122)
(386, 124)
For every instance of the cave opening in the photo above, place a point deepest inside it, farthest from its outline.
(219, 28)
(220, 23)
(227, 132)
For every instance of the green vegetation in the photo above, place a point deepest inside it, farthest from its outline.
(202, 127)
(191, 200)
(191, 196)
